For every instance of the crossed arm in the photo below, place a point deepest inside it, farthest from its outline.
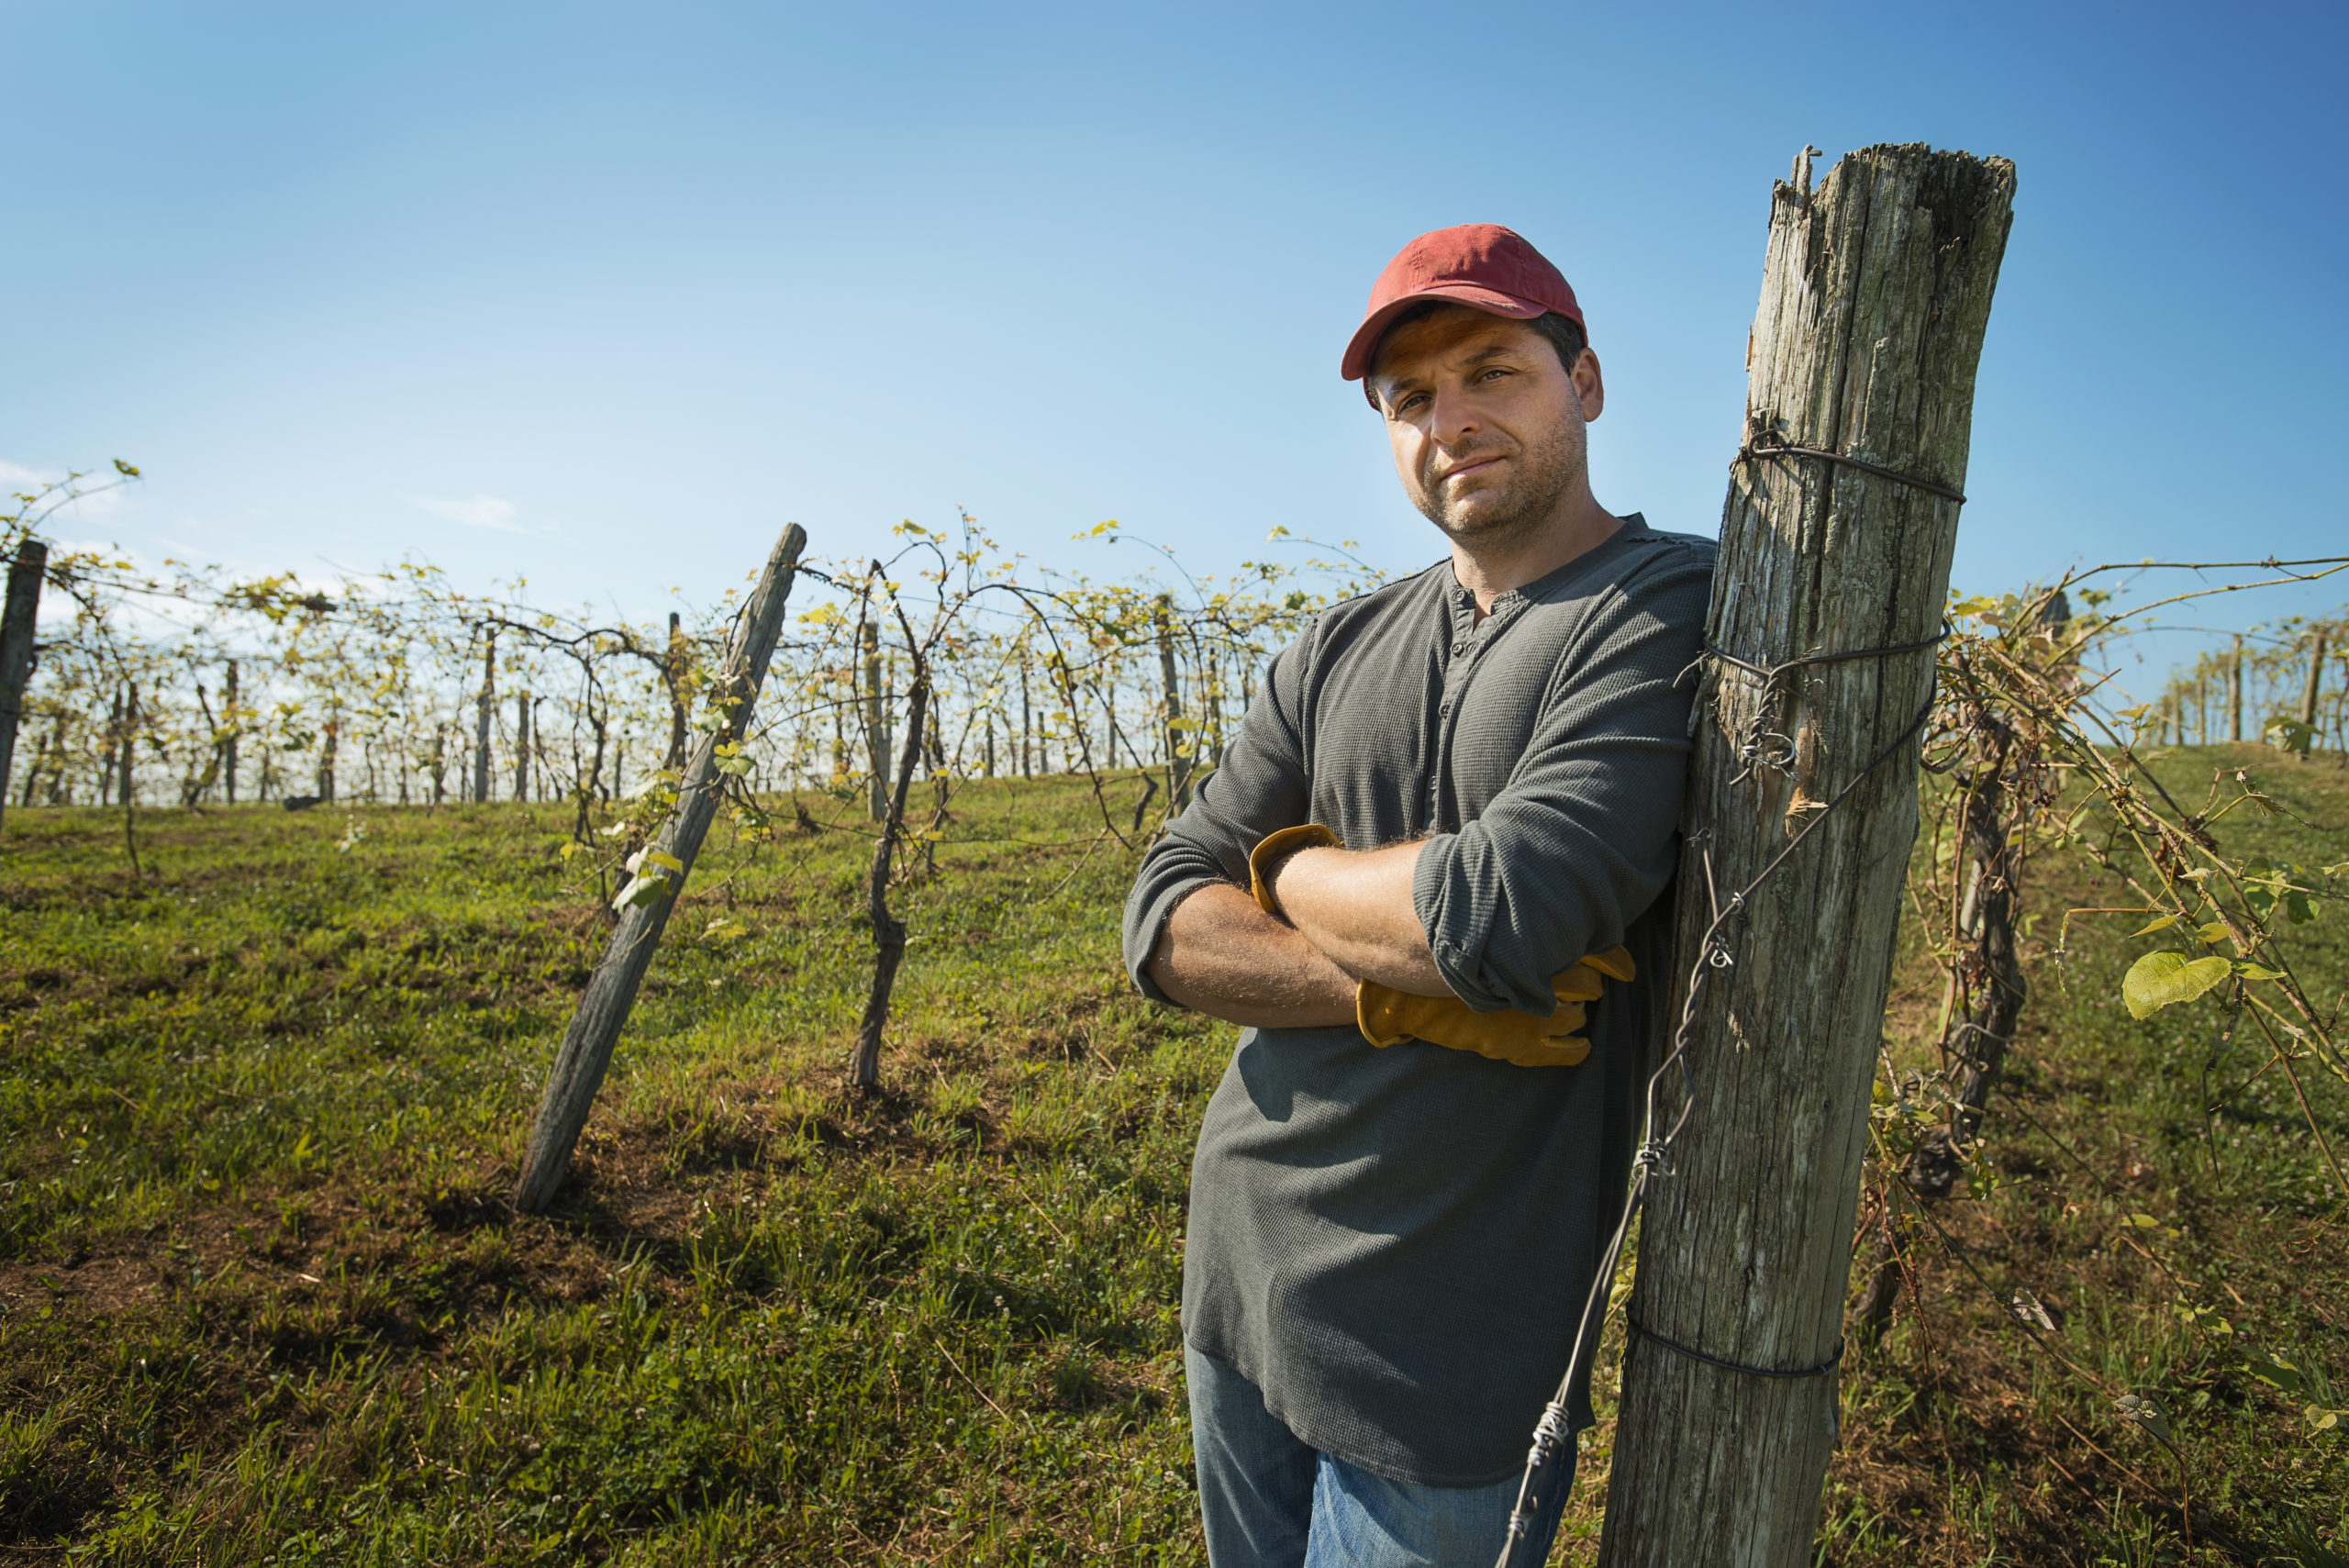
(1350, 918)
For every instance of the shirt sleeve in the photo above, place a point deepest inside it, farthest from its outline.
(1261, 786)
(1582, 838)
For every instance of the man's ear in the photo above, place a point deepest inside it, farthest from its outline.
(1590, 386)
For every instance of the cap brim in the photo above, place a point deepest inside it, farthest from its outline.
(1364, 343)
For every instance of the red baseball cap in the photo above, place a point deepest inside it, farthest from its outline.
(1480, 264)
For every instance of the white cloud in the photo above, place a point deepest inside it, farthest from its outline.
(477, 512)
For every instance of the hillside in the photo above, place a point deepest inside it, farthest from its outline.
(261, 1300)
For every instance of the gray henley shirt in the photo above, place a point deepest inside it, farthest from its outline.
(1394, 1244)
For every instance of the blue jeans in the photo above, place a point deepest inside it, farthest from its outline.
(1269, 1501)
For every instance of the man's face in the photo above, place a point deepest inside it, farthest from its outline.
(1486, 425)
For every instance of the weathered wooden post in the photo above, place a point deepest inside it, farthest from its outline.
(1027, 719)
(2308, 696)
(127, 758)
(17, 620)
(113, 744)
(522, 746)
(2234, 692)
(232, 722)
(673, 666)
(1836, 553)
(1178, 766)
(482, 706)
(586, 1050)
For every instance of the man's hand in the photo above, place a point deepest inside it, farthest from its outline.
(1355, 907)
(1220, 955)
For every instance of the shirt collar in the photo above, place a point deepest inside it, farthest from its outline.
(1459, 599)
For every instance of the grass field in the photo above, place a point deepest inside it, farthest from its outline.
(261, 1300)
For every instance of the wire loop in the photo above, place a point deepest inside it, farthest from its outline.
(1822, 1370)
(1931, 487)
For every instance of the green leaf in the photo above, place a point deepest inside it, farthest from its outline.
(2258, 971)
(2322, 1419)
(734, 767)
(649, 888)
(2160, 979)
(2275, 1371)
(2146, 1411)
(663, 859)
(2164, 924)
(2216, 932)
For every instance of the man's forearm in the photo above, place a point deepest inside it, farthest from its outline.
(1220, 955)
(1356, 909)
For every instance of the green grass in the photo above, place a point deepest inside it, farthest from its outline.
(261, 1299)
(2178, 1224)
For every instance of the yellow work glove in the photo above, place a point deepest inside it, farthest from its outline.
(1386, 1015)
(1276, 847)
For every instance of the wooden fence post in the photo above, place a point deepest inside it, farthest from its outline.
(17, 620)
(232, 721)
(2309, 696)
(1178, 766)
(2234, 692)
(586, 1050)
(113, 744)
(1876, 292)
(482, 707)
(522, 746)
(127, 762)
(674, 665)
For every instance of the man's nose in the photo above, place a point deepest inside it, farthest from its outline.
(1455, 417)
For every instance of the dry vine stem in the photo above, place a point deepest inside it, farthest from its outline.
(1875, 293)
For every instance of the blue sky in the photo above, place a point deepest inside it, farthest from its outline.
(602, 296)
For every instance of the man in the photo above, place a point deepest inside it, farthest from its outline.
(1390, 1243)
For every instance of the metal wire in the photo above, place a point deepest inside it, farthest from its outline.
(1931, 487)
(1822, 1370)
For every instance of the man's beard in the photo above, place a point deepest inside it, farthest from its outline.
(1544, 477)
